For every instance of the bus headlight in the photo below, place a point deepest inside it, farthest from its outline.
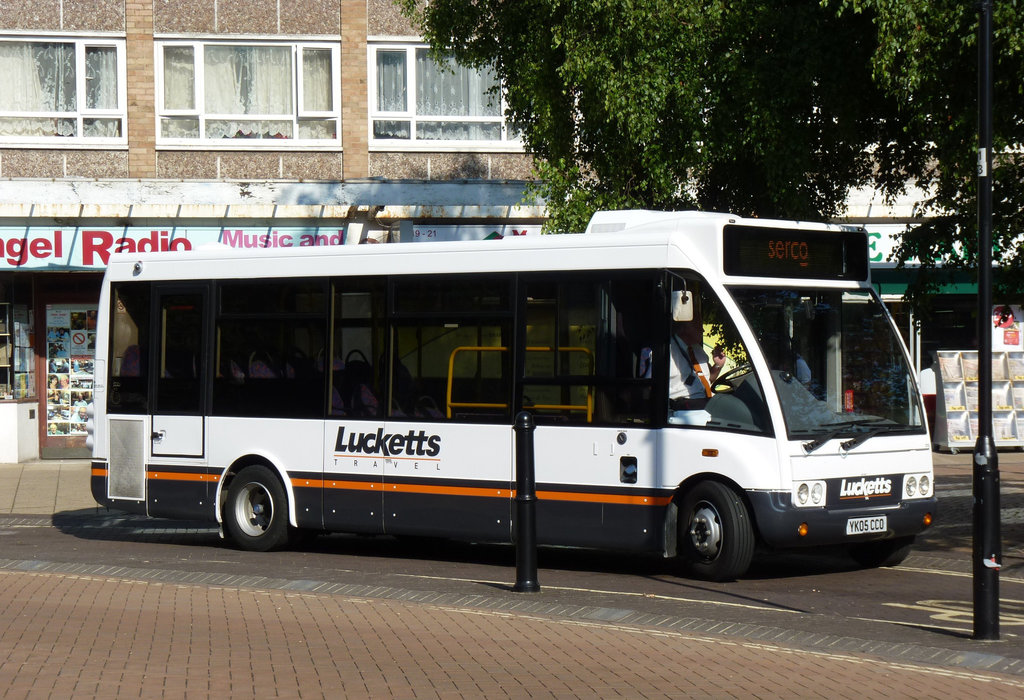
(924, 484)
(808, 494)
(917, 486)
(818, 493)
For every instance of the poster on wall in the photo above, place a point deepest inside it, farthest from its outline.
(70, 348)
(1007, 327)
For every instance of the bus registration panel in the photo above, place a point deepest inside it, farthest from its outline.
(864, 526)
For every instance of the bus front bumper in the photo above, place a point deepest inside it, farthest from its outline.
(783, 526)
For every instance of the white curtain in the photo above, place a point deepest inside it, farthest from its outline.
(391, 81)
(101, 77)
(252, 80)
(248, 80)
(316, 80)
(37, 77)
(179, 78)
(451, 90)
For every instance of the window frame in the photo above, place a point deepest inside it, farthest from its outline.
(509, 142)
(298, 113)
(82, 113)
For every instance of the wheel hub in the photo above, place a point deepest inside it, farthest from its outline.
(706, 530)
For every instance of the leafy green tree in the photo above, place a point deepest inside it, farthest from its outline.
(927, 59)
(753, 107)
(757, 107)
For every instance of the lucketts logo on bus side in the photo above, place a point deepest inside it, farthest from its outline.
(410, 444)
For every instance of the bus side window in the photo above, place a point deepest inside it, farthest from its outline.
(129, 346)
(357, 337)
(451, 352)
(585, 342)
(269, 335)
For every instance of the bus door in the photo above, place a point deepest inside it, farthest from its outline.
(588, 345)
(179, 396)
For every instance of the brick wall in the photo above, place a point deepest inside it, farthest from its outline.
(141, 87)
(354, 124)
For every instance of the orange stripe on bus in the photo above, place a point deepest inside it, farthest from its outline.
(97, 471)
(483, 492)
(617, 499)
(181, 476)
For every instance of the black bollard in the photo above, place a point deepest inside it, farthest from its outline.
(526, 507)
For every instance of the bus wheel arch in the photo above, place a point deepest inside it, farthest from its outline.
(255, 507)
(715, 535)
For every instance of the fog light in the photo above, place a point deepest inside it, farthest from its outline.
(802, 530)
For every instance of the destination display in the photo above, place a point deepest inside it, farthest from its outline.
(756, 251)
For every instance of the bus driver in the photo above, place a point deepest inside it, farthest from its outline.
(691, 374)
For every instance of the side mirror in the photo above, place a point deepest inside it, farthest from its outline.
(682, 306)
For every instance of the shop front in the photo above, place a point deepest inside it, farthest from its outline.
(50, 278)
(52, 260)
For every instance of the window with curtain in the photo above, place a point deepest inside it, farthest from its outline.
(62, 89)
(264, 92)
(416, 99)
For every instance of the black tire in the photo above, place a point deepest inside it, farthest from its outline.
(716, 537)
(877, 553)
(256, 510)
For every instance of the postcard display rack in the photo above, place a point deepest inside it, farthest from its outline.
(956, 400)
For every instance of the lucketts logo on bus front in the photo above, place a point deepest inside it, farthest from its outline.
(865, 487)
(409, 444)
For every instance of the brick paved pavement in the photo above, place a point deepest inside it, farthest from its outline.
(71, 636)
(86, 635)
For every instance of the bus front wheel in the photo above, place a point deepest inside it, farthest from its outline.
(256, 511)
(716, 537)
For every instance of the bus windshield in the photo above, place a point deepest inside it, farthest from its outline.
(835, 360)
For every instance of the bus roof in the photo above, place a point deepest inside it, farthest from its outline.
(634, 239)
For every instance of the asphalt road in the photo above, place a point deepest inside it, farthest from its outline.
(919, 611)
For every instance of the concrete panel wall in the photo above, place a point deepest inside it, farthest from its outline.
(450, 166)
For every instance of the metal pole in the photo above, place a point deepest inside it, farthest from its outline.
(526, 507)
(987, 553)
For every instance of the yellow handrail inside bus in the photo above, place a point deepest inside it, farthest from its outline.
(450, 403)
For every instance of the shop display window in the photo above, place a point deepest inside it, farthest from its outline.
(70, 348)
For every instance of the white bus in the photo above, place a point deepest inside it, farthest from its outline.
(373, 389)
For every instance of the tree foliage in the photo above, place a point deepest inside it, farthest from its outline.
(756, 107)
(753, 107)
(927, 58)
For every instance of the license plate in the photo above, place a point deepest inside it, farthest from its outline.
(864, 526)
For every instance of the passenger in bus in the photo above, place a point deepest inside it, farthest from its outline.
(691, 373)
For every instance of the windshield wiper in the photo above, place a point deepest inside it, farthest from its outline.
(848, 445)
(811, 445)
(840, 428)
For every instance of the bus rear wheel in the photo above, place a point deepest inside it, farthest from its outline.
(256, 510)
(716, 538)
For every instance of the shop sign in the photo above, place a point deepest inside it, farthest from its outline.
(430, 233)
(1007, 326)
(90, 247)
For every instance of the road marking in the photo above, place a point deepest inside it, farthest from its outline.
(628, 594)
(1011, 612)
(958, 574)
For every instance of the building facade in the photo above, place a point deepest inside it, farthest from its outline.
(166, 124)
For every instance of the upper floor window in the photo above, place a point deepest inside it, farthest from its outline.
(416, 101)
(218, 92)
(62, 89)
